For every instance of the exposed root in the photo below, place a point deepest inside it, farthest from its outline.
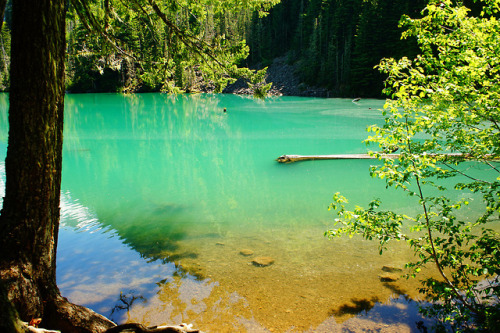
(62, 315)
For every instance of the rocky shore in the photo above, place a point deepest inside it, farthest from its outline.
(285, 83)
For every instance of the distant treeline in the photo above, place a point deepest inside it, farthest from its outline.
(333, 44)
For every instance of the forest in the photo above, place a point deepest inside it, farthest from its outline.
(334, 44)
(331, 44)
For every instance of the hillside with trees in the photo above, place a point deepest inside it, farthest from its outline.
(121, 47)
(331, 44)
(335, 44)
(139, 51)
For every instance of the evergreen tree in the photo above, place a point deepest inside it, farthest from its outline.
(335, 44)
(29, 220)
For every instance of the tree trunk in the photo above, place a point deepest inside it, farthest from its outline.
(30, 214)
(29, 219)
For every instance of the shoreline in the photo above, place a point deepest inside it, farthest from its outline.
(285, 82)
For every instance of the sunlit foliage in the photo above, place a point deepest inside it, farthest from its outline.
(147, 45)
(443, 117)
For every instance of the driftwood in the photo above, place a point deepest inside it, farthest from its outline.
(127, 328)
(297, 158)
(33, 329)
(138, 328)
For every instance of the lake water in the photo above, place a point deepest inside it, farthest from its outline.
(161, 193)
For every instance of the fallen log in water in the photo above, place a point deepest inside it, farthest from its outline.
(297, 158)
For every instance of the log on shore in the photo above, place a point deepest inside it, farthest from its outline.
(139, 328)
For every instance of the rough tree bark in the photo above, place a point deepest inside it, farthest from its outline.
(29, 219)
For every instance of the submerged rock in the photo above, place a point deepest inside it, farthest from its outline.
(246, 252)
(391, 269)
(388, 277)
(263, 261)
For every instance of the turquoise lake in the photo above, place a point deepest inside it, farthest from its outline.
(161, 194)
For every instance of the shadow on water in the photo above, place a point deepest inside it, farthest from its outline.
(354, 307)
(357, 306)
(157, 233)
(125, 303)
(157, 236)
(397, 290)
(397, 314)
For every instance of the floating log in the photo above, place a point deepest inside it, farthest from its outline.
(297, 158)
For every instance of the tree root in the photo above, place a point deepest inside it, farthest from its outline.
(67, 317)
(60, 315)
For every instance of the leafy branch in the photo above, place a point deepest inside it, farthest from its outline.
(167, 41)
(444, 102)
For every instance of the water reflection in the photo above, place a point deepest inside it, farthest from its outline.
(156, 293)
(161, 194)
(229, 294)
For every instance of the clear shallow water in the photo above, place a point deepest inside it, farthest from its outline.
(160, 194)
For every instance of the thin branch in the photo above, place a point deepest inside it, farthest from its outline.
(187, 10)
(187, 39)
(495, 124)
(491, 166)
(150, 23)
(466, 175)
(429, 233)
(491, 119)
(434, 252)
(91, 23)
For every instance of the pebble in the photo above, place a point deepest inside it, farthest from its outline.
(391, 269)
(388, 277)
(246, 252)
